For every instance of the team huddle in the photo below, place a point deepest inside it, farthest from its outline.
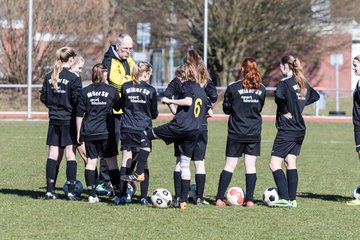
(118, 107)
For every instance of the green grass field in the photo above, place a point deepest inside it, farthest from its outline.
(328, 171)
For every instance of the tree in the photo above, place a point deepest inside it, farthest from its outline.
(79, 24)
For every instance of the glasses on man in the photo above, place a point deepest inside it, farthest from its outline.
(126, 49)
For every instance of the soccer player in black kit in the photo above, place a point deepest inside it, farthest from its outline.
(60, 92)
(139, 105)
(183, 128)
(356, 116)
(96, 126)
(291, 96)
(243, 101)
(173, 91)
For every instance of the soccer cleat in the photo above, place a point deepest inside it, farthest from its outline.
(72, 197)
(133, 177)
(355, 202)
(103, 189)
(282, 203)
(117, 200)
(200, 201)
(249, 204)
(92, 199)
(175, 202)
(145, 202)
(183, 206)
(293, 203)
(50, 196)
(220, 203)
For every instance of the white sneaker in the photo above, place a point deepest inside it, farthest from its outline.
(93, 199)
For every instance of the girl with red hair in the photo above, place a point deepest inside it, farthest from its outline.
(243, 101)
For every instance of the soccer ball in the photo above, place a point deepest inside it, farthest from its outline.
(235, 196)
(192, 193)
(131, 189)
(161, 198)
(356, 193)
(270, 195)
(78, 188)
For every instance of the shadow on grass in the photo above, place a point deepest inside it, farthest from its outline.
(326, 197)
(23, 193)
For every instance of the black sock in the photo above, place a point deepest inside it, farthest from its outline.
(250, 186)
(185, 185)
(56, 175)
(177, 183)
(71, 175)
(292, 179)
(50, 174)
(281, 184)
(224, 181)
(200, 185)
(96, 176)
(123, 184)
(90, 182)
(144, 185)
(115, 180)
(142, 161)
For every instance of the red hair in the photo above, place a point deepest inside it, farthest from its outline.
(251, 75)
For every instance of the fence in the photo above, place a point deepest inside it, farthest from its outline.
(35, 109)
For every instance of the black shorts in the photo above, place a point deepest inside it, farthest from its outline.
(101, 148)
(117, 120)
(131, 141)
(186, 141)
(282, 148)
(61, 135)
(237, 149)
(199, 149)
(357, 140)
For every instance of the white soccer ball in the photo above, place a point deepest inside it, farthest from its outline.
(192, 193)
(161, 198)
(356, 193)
(78, 188)
(270, 195)
(235, 196)
(131, 189)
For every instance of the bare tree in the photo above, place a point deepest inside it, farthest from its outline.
(80, 24)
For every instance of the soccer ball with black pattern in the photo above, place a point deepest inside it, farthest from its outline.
(161, 198)
(78, 188)
(270, 195)
(356, 193)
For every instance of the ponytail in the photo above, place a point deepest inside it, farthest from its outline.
(298, 72)
(55, 74)
(299, 76)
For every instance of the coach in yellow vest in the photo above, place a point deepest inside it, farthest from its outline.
(119, 64)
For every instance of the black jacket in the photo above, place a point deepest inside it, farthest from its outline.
(95, 106)
(61, 103)
(190, 118)
(139, 104)
(288, 99)
(244, 107)
(356, 107)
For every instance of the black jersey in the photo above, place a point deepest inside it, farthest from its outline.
(96, 102)
(288, 100)
(61, 103)
(139, 104)
(356, 107)
(190, 118)
(244, 107)
(174, 91)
